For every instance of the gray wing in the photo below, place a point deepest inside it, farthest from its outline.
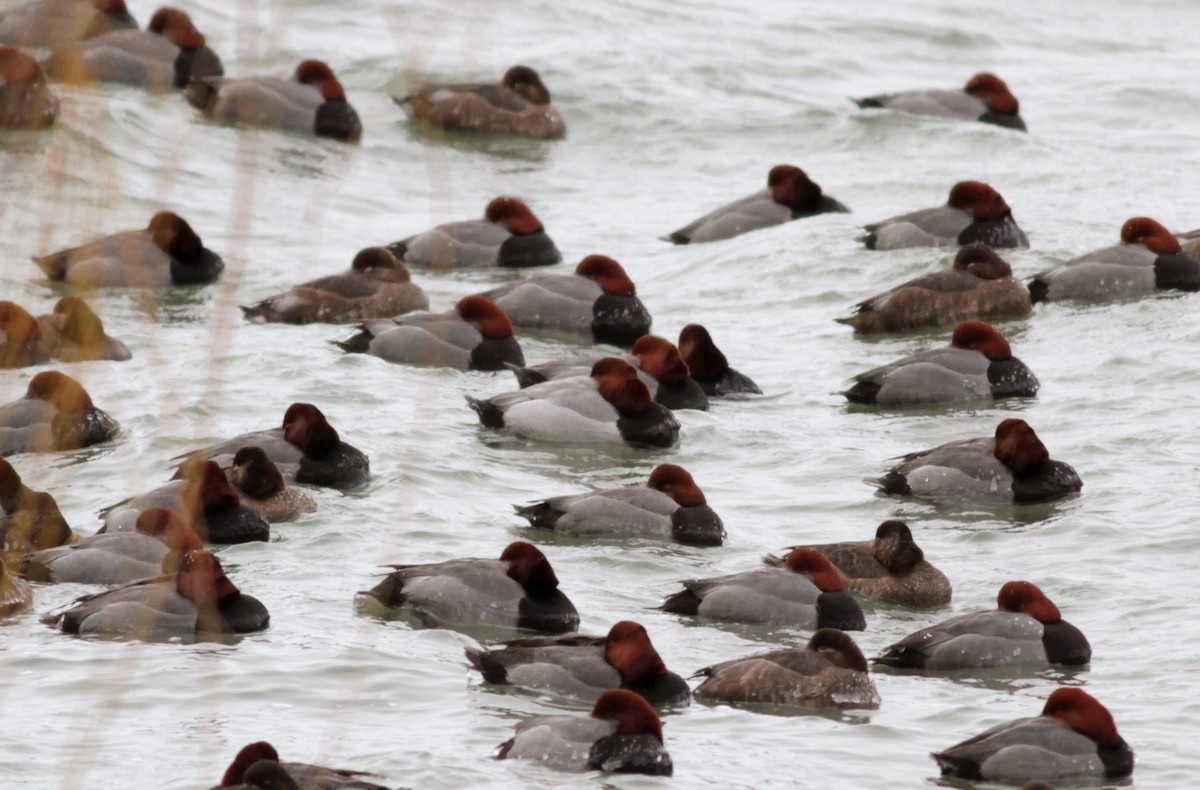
(463, 591)
(129, 258)
(929, 227)
(767, 595)
(1034, 747)
(980, 639)
(467, 243)
(266, 101)
(26, 412)
(622, 511)
(282, 453)
(935, 376)
(746, 214)
(1112, 271)
(943, 103)
(122, 517)
(104, 559)
(446, 343)
(562, 742)
(544, 305)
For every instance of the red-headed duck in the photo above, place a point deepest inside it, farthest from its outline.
(262, 488)
(26, 101)
(1149, 258)
(167, 252)
(670, 506)
(475, 335)
(29, 520)
(974, 212)
(709, 366)
(598, 302)
(979, 284)
(46, 23)
(610, 405)
(1011, 466)
(377, 285)
(1075, 737)
(74, 333)
(805, 592)
(985, 98)
(21, 340)
(519, 590)
(56, 414)
(623, 734)
(583, 667)
(257, 765)
(510, 235)
(517, 105)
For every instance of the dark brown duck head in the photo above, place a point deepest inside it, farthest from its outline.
(528, 83)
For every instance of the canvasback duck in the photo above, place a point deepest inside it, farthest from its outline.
(167, 252)
(262, 488)
(21, 341)
(978, 364)
(985, 98)
(15, 593)
(804, 592)
(891, 568)
(510, 235)
(313, 102)
(26, 101)
(979, 284)
(1149, 258)
(598, 302)
(377, 285)
(790, 194)
(709, 366)
(669, 507)
(167, 54)
(584, 667)
(1011, 466)
(974, 212)
(56, 414)
(475, 335)
(1026, 628)
(518, 591)
(46, 23)
(623, 735)
(1075, 737)
(74, 333)
(610, 405)
(829, 672)
(29, 520)
(306, 448)
(518, 105)
(257, 765)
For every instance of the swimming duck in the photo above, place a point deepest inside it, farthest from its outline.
(985, 98)
(21, 341)
(46, 23)
(974, 212)
(257, 765)
(29, 520)
(709, 367)
(261, 487)
(56, 414)
(26, 101)
(74, 333)
(518, 105)
(509, 236)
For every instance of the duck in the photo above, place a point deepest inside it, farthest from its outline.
(15, 593)
(1011, 466)
(709, 367)
(509, 236)
(1075, 737)
(974, 212)
(377, 285)
(623, 734)
(1025, 629)
(584, 667)
(167, 54)
(29, 520)
(46, 23)
(21, 341)
(306, 448)
(1149, 258)
(261, 487)
(611, 405)
(978, 364)
(56, 414)
(168, 252)
(985, 98)
(891, 568)
(670, 506)
(978, 285)
(257, 765)
(517, 591)
(26, 101)
(829, 672)
(73, 332)
(790, 194)
(475, 335)
(804, 592)
(518, 105)
(598, 302)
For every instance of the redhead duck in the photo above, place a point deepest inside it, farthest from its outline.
(15, 592)
(980, 284)
(519, 591)
(1074, 737)
(611, 405)
(709, 367)
(262, 488)
(475, 335)
(74, 333)
(21, 341)
(1011, 466)
(45, 23)
(1149, 258)
(167, 252)
(829, 672)
(306, 448)
(1024, 629)
(257, 765)
(891, 568)
(166, 55)
(583, 667)
(598, 301)
(670, 506)
(509, 235)
(56, 414)
(978, 364)
(985, 98)
(974, 212)
(790, 194)
(518, 105)
(26, 101)
(29, 520)
(313, 102)
(377, 285)
(623, 735)
(805, 592)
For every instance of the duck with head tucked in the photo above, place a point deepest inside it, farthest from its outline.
(509, 236)
(709, 367)
(985, 98)
(973, 212)
(257, 766)
(47, 23)
(518, 105)
(56, 414)
(74, 333)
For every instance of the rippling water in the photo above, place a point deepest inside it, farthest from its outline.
(672, 110)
